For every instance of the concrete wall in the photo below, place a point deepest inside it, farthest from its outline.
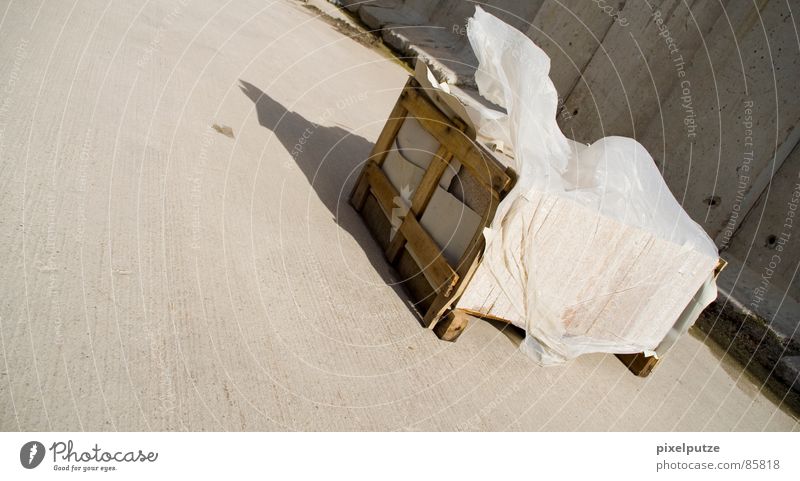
(769, 237)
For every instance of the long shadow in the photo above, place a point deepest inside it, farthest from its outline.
(331, 159)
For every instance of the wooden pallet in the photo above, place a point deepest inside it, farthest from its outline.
(433, 283)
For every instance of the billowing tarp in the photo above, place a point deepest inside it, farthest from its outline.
(590, 251)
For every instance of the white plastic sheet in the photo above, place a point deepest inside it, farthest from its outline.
(615, 178)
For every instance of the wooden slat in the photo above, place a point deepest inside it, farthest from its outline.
(452, 325)
(485, 315)
(487, 171)
(422, 195)
(437, 271)
(376, 221)
(381, 188)
(441, 276)
(395, 246)
(385, 141)
(441, 304)
(360, 191)
(721, 263)
(430, 180)
(382, 146)
(465, 269)
(639, 364)
(414, 281)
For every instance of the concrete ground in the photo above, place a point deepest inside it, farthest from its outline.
(178, 254)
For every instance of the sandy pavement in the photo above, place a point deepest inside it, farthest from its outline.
(162, 274)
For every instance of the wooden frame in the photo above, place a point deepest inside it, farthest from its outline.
(446, 281)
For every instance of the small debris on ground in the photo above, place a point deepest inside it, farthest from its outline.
(224, 130)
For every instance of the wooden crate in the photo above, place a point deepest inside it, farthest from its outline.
(433, 283)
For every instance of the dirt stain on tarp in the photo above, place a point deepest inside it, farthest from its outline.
(223, 129)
